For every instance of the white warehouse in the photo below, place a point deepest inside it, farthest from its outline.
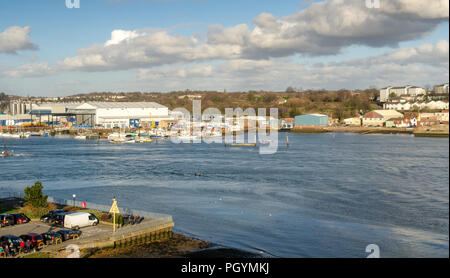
(123, 114)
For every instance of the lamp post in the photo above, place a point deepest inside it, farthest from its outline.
(74, 196)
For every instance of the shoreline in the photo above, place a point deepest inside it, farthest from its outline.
(433, 131)
(179, 246)
(174, 246)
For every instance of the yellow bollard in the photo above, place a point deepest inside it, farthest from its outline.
(56, 241)
(73, 237)
(41, 245)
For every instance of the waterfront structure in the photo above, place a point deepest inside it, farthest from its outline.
(123, 114)
(443, 116)
(409, 120)
(15, 120)
(379, 117)
(356, 121)
(392, 92)
(287, 123)
(428, 121)
(311, 120)
(441, 89)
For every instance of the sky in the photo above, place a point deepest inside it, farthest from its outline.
(48, 49)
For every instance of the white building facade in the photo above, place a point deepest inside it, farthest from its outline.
(124, 114)
(413, 91)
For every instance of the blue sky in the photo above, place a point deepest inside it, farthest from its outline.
(299, 53)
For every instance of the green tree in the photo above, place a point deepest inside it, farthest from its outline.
(34, 196)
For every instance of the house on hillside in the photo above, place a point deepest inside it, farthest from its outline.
(379, 117)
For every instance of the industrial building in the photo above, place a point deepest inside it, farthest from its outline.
(120, 114)
(311, 120)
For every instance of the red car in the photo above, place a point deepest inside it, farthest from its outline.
(36, 239)
(20, 218)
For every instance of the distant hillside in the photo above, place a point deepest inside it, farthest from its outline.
(339, 104)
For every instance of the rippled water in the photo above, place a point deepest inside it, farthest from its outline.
(327, 195)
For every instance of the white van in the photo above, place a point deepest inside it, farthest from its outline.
(79, 219)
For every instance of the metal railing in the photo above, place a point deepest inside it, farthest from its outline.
(89, 205)
(11, 195)
(105, 208)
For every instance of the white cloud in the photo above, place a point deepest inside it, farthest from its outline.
(425, 64)
(30, 70)
(16, 38)
(324, 28)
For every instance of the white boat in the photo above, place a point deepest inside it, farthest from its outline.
(80, 137)
(187, 137)
(265, 141)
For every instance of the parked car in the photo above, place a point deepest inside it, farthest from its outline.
(69, 234)
(79, 219)
(48, 218)
(35, 239)
(51, 237)
(6, 220)
(58, 219)
(20, 218)
(12, 241)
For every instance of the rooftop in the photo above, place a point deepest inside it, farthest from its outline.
(125, 104)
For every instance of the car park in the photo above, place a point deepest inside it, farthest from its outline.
(6, 220)
(20, 218)
(69, 234)
(35, 239)
(51, 238)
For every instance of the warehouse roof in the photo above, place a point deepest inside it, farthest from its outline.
(95, 104)
(315, 114)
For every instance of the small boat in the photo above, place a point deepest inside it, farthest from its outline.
(122, 141)
(25, 135)
(265, 141)
(243, 145)
(80, 137)
(6, 153)
(143, 140)
(187, 137)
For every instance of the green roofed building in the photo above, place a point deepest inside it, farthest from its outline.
(311, 120)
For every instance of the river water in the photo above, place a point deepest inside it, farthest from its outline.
(326, 195)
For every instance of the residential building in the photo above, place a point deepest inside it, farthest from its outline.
(441, 89)
(403, 105)
(392, 92)
(379, 117)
